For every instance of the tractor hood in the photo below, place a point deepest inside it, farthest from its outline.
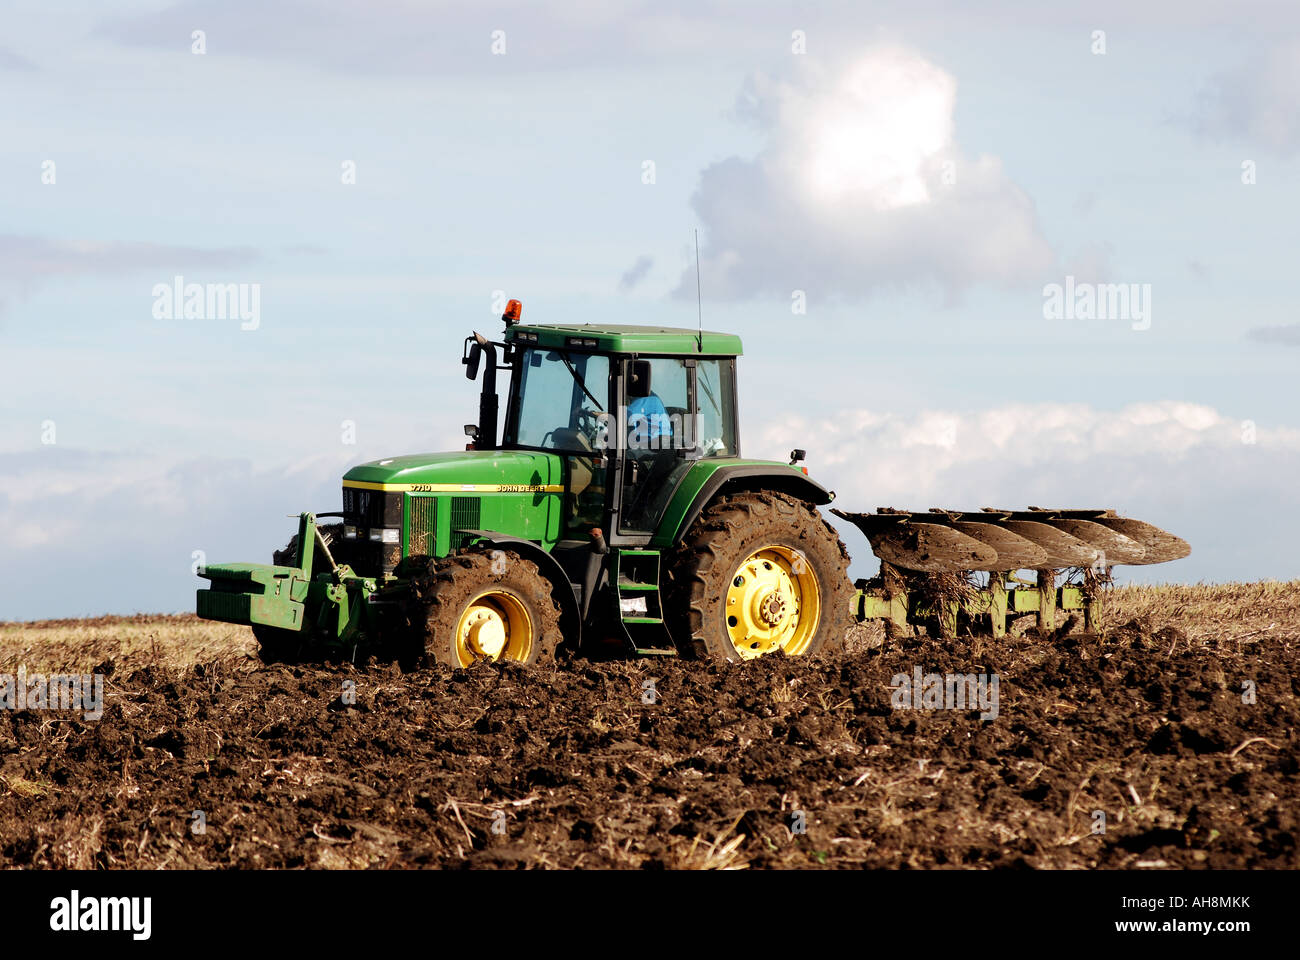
(473, 471)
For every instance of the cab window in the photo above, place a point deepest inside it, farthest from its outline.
(715, 427)
(559, 398)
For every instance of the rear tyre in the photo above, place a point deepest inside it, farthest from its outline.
(480, 605)
(759, 573)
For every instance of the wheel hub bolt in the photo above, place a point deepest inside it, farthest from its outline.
(772, 609)
(487, 635)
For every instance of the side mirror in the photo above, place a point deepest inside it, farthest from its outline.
(638, 384)
(472, 360)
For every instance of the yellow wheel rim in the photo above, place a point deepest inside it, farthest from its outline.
(494, 626)
(772, 603)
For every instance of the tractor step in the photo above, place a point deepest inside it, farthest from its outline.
(635, 578)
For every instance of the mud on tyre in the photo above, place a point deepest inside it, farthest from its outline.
(759, 573)
(478, 605)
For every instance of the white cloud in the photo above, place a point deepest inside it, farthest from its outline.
(861, 186)
(121, 528)
(939, 453)
(1179, 465)
(874, 131)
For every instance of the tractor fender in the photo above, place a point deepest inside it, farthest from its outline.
(734, 478)
(570, 612)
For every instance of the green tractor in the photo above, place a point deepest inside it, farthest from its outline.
(611, 510)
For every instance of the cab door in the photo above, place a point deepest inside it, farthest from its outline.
(657, 439)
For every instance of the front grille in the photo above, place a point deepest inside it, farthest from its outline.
(372, 510)
(424, 526)
(465, 513)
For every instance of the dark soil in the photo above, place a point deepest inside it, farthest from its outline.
(565, 765)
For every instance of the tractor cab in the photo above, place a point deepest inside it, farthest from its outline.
(628, 410)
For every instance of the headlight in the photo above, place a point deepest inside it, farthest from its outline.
(349, 532)
(386, 535)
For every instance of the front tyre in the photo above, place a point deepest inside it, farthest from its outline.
(481, 605)
(759, 573)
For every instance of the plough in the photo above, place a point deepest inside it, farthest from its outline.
(930, 565)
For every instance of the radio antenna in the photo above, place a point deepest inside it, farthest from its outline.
(699, 300)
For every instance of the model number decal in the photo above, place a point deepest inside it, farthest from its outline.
(457, 487)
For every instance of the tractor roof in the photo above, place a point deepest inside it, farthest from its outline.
(617, 338)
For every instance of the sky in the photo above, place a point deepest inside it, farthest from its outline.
(1021, 255)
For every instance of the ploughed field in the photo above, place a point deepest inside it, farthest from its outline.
(1147, 730)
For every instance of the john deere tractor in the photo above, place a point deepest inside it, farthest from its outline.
(612, 508)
